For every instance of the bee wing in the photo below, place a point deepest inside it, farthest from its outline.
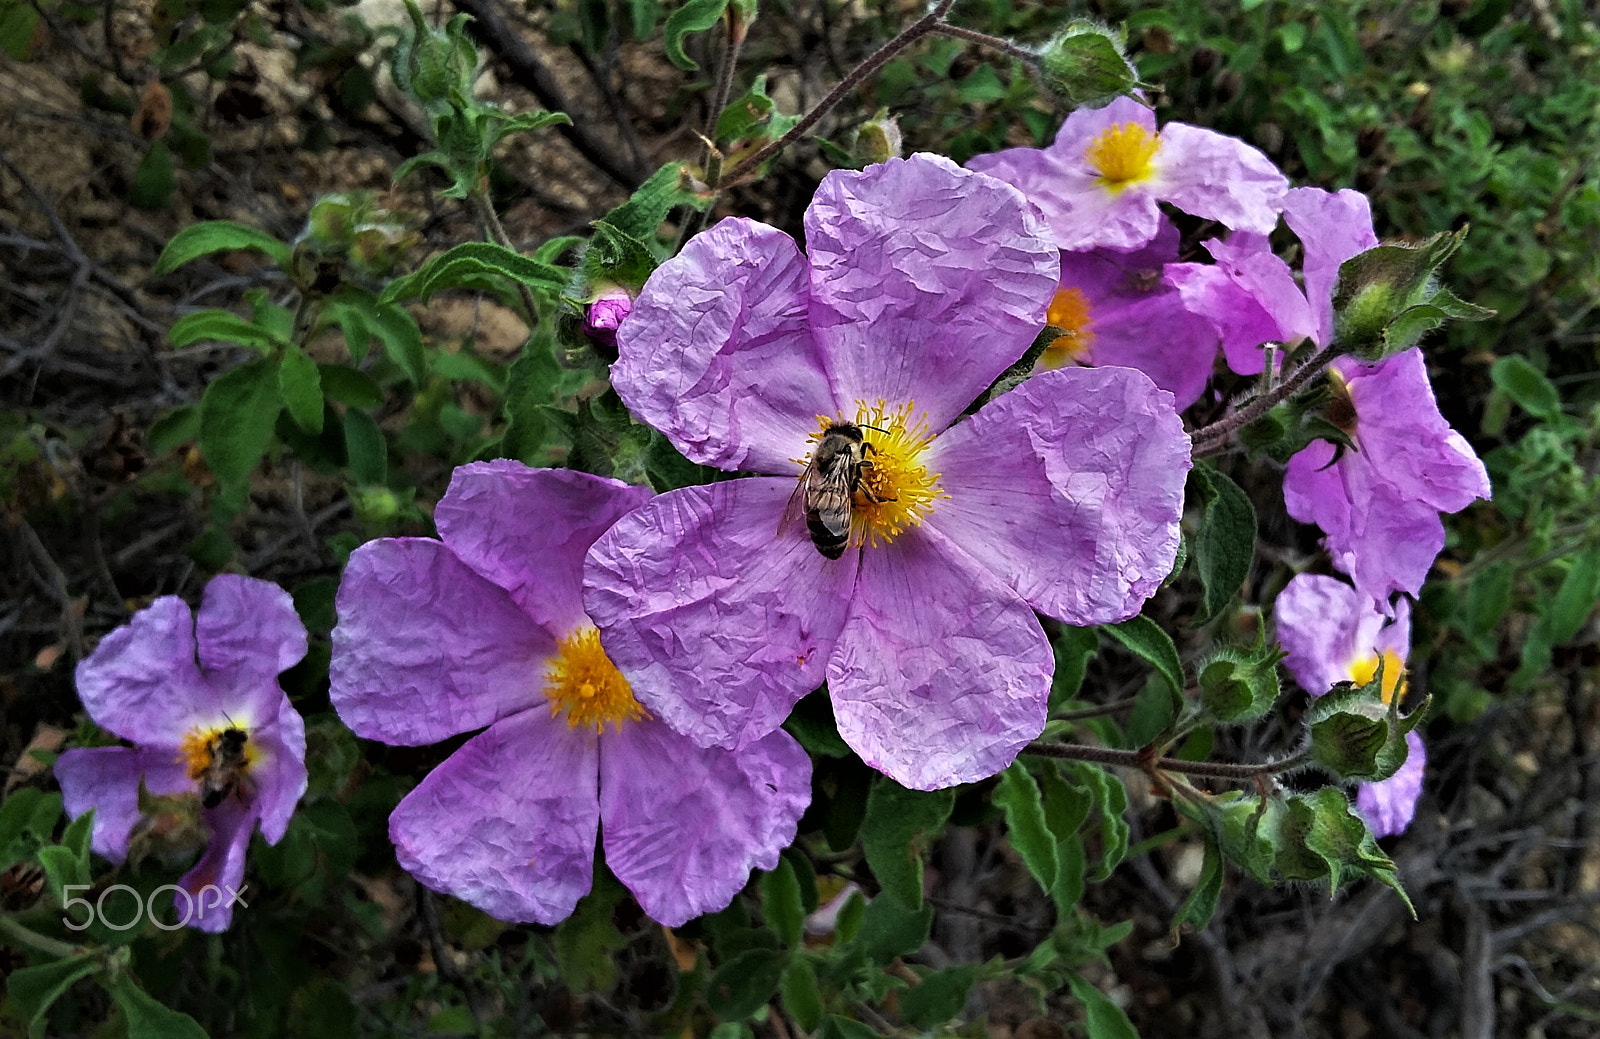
(831, 498)
(794, 513)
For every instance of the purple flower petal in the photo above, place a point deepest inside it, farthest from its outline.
(507, 822)
(1325, 626)
(280, 771)
(427, 648)
(717, 354)
(107, 780)
(1332, 226)
(1218, 177)
(1249, 294)
(1386, 542)
(220, 870)
(942, 674)
(683, 826)
(1069, 487)
(1388, 807)
(527, 530)
(1039, 174)
(927, 282)
(142, 681)
(1404, 438)
(248, 632)
(719, 620)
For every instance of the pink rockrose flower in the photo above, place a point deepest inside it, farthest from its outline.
(198, 695)
(485, 629)
(1117, 309)
(1100, 184)
(1333, 633)
(914, 595)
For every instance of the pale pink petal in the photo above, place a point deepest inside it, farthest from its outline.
(106, 779)
(684, 825)
(1389, 806)
(720, 620)
(220, 871)
(507, 823)
(142, 682)
(248, 632)
(1218, 177)
(942, 674)
(1333, 226)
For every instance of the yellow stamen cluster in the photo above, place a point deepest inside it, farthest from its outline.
(197, 750)
(1070, 312)
(904, 489)
(1122, 153)
(582, 681)
(1394, 673)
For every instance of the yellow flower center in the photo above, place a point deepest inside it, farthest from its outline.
(1394, 673)
(583, 681)
(1122, 153)
(198, 750)
(896, 490)
(1069, 311)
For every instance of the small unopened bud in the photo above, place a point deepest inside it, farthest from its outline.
(1226, 86)
(878, 139)
(1086, 65)
(604, 315)
(1202, 61)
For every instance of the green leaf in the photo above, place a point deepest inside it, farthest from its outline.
(19, 24)
(889, 929)
(746, 983)
(27, 819)
(587, 942)
(1018, 796)
(1111, 797)
(693, 16)
(1073, 649)
(1146, 639)
(466, 264)
(397, 330)
(32, 990)
(300, 387)
(640, 217)
(1225, 546)
(68, 862)
(237, 414)
(148, 1019)
(754, 114)
(1527, 385)
(811, 723)
(222, 326)
(213, 236)
(1320, 836)
(801, 997)
(940, 997)
(174, 429)
(1105, 1019)
(348, 386)
(1201, 903)
(899, 826)
(836, 1027)
(1575, 599)
(781, 905)
(366, 450)
(154, 181)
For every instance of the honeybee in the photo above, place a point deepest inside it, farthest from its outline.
(224, 774)
(828, 487)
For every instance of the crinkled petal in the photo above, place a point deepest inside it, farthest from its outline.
(1333, 226)
(1395, 636)
(507, 822)
(142, 681)
(717, 353)
(942, 674)
(1137, 320)
(1218, 177)
(927, 282)
(427, 648)
(527, 530)
(107, 780)
(280, 771)
(1404, 437)
(1386, 542)
(1249, 294)
(248, 632)
(1389, 806)
(720, 620)
(1325, 626)
(1069, 487)
(213, 881)
(684, 825)
(1039, 175)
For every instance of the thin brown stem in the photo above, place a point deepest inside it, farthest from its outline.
(1137, 759)
(497, 234)
(983, 39)
(1210, 438)
(909, 35)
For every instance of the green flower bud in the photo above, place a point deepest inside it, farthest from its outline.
(1085, 65)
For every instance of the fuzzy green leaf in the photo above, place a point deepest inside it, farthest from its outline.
(214, 236)
(899, 826)
(237, 414)
(1225, 545)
